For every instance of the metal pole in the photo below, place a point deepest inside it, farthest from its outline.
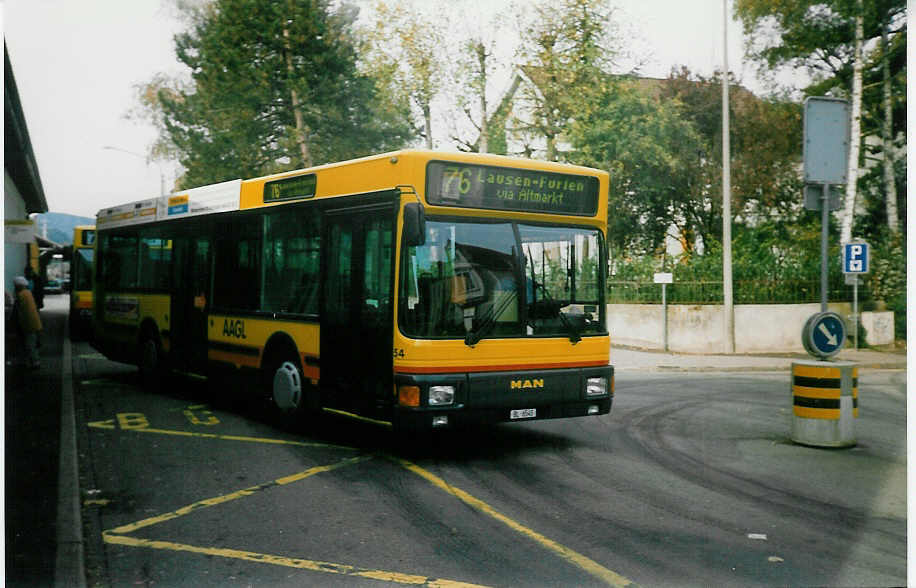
(825, 224)
(665, 310)
(855, 312)
(727, 293)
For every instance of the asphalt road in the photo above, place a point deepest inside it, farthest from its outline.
(689, 481)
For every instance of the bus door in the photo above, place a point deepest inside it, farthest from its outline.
(357, 319)
(191, 303)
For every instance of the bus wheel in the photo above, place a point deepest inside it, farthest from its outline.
(291, 396)
(149, 363)
(286, 392)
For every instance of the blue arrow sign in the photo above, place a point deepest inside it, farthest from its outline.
(828, 333)
(856, 257)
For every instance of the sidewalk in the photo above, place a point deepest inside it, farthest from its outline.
(35, 535)
(628, 359)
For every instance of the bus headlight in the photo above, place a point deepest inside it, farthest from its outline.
(596, 386)
(441, 395)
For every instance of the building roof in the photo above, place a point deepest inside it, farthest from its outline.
(18, 157)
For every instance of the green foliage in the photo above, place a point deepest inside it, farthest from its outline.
(567, 54)
(274, 86)
(819, 35)
(649, 150)
(887, 280)
(661, 142)
(774, 262)
(404, 51)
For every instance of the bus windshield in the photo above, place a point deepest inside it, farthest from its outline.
(478, 279)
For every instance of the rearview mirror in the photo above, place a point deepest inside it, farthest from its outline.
(414, 224)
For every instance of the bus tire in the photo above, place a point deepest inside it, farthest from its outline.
(290, 394)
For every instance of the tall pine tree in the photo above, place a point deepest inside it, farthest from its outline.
(274, 86)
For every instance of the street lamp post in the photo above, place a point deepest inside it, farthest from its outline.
(147, 160)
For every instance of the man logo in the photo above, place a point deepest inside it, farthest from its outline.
(526, 384)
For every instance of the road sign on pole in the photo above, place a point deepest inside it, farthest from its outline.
(856, 257)
(664, 279)
(826, 145)
(824, 334)
(824, 152)
(814, 196)
(856, 261)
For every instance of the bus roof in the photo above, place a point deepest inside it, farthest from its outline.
(386, 171)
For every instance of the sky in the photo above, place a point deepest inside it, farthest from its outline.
(77, 63)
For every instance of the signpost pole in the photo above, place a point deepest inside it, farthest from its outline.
(825, 223)
(855, 313)
(665, 310)
(664, 278)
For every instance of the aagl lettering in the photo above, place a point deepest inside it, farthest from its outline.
(234, 328)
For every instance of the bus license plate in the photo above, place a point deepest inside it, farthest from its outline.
(523, 413)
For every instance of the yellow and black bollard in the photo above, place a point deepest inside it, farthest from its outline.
(825, 403)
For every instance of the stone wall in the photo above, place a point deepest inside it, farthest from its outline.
(759, 328)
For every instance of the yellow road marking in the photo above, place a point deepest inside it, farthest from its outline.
(305, 564)
(592, 567)
(109, 424)
(267, 440)
(236, 495)
(356, 417)
(113, 535)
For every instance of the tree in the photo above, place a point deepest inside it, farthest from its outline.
(477, 66)
(650, 151)
(764, 136)
(568, 52)
(660, 139)
(273, 86)
(826, 36)
(409, 47)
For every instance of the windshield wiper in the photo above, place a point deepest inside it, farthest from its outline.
(474, 336)
(574, 336)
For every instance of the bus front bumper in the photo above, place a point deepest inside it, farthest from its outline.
(495, 397)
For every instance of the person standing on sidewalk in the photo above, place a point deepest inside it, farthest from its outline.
(28, 323)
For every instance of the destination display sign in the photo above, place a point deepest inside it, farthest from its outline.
(501, 188)
(293, 188)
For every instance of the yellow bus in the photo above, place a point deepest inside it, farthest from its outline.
(415, 289)
(81, 269)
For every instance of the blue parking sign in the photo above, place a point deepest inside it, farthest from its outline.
(856, 257)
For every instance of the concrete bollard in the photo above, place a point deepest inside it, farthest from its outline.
(825, 403)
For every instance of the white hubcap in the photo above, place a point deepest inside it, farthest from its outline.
(287, 387)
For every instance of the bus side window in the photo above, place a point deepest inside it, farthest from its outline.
(291, 259)
(237, 268)
(120, 262)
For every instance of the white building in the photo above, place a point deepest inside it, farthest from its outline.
(22, 190)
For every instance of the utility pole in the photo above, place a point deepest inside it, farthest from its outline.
(727, 292)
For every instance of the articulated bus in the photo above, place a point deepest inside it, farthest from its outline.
(413, 289)
(81, 269)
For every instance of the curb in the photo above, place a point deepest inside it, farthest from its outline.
(69, 569)
(701, 369)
